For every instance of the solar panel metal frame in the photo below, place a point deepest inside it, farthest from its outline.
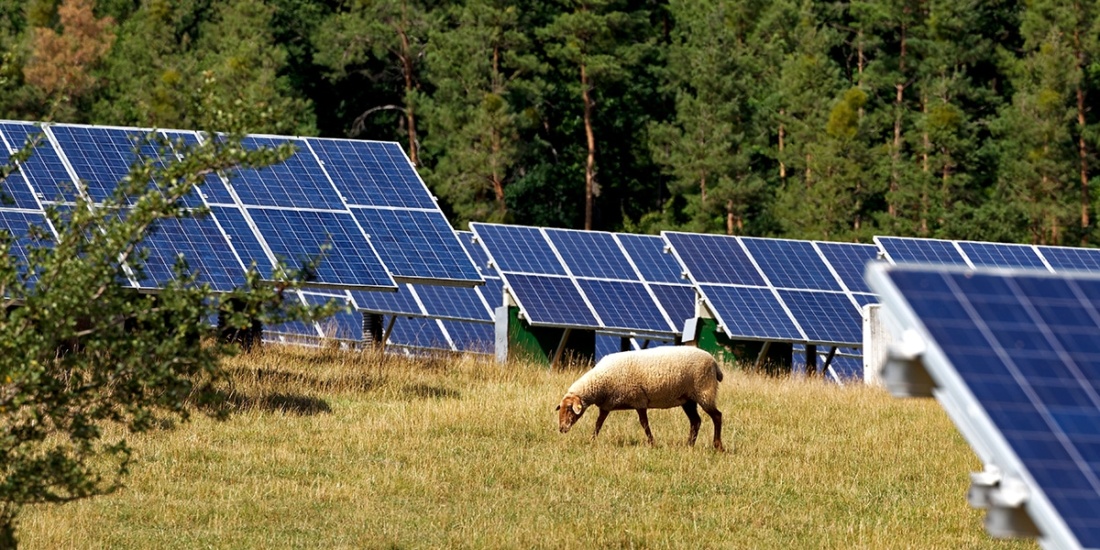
(963, 407)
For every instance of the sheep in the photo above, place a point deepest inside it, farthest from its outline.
(657, 378)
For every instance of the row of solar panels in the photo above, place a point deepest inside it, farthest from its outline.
(1014, 357)
(644, 286)
(361, 199)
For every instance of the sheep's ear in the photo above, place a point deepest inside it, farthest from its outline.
(558, 408)
(577, 408)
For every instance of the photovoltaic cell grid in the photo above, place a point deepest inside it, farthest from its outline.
(778, 289)
(323, 175)
(588, 279)
(1017, 362)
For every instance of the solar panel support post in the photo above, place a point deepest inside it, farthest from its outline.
(372, 330)
(248, 337)
(624, 343)
(811, 360)
(556, 361)
(539, 344)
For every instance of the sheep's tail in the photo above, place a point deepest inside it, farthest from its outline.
(717, 372)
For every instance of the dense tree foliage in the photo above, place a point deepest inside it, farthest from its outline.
(801, 118)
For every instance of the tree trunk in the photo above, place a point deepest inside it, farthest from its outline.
(1082, 148)
(496, 176)
(590, 164)
(782, 134)
(410, 86)
(895, 152)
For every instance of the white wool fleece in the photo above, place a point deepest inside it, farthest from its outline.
(657, 378)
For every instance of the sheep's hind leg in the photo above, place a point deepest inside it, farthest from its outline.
(694, 419)
(643, 417)
(716, 416)
(599, 422)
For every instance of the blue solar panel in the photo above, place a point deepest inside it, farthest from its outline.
(298, 182)
(213, 188)
(44, 170)
(15, 192)
(1063, 258)
(678, 301)
(370, 173)
(477, 253)
(647, 252)
(401, 301)
(471, 337)
(342, 325)
(826, 317)
(493, 292)
(1001, 255)
(624, 305)
(551, 301)
(452, 303)
(791, 264)
(753, 313)
(298, 235)
(416, 244)
(17, 224)
(592, 254)
(242, 238)
(1020, 356)
(846, 368)
(101, 157)
(202, 244)
(519, 249)
(849, 260)
(714, 259)
(926, 251)
(418, 332)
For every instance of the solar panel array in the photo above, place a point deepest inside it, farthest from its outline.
(359, 202)
(608, 282)
(1016, 361)
(974, 254)
(778, 289)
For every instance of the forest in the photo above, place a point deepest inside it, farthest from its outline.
(808, 119)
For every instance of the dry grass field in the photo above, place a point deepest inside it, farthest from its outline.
(329, 449)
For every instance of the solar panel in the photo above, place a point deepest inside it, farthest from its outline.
(1015, 359)
(205, 248)
(298, 182)
(401, 302)
(677, 300)
(370, 173)
(826, 317)
(849, 260)
(592, 254)
(926, 251)
(471, 337)
(983, 254)
(624, 305)
(791, 264)
(416, 244)
(418, 332)
(44, 170)
(298, 235)
(1063, 258)
(647, 253)
(101, 157)
(714, 259)
(18, 223)
(519, 249)
(751, 313)
(17, 193)
(445, 302)
(553, 301)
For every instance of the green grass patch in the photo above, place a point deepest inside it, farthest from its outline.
(345, 450)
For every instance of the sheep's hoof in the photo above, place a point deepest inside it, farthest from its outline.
(718, 447)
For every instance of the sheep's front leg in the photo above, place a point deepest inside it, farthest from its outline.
(599, 422)
(643, 417)
(692, 412)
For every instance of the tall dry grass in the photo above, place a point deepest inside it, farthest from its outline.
(330, 449)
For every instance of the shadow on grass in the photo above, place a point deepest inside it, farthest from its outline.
(224, 404)
(278, 378)
(430, 392)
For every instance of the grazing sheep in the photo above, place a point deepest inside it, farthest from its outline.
(658, 378)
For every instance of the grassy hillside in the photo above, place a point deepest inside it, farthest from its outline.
(344, 450)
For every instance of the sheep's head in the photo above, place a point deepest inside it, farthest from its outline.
(569, 411)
